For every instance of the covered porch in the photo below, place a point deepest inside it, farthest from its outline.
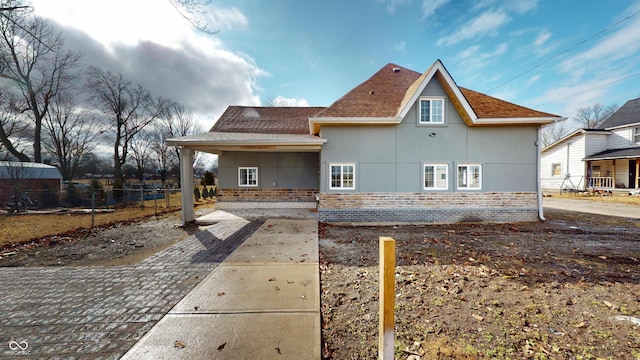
(617, 169)
(254, 168)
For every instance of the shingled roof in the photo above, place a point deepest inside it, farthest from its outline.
(265, 120)
(486, 106)
(384, 93)
(628, 114)
(379, 96)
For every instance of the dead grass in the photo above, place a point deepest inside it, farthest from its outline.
(615, 199)
(15, 229)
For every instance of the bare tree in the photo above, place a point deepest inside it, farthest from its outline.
(36, 66)
(176, 123)
(193, 11)
(16, 130)
(141, 150)
(127, 108)
(553, 133)
(592, 117)
(71, 133)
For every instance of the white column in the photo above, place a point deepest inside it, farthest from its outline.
(186, 185)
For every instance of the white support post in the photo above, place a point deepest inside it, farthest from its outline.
(186, 185)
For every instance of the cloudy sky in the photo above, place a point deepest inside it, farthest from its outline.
(553, 56)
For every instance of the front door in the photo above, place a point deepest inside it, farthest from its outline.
(632, 174)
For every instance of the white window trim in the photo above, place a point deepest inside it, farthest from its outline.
(419, 112)
(479, 177)
(435, 188)
(331, 165)
(635, 135)
(553, 165)
(240, 184)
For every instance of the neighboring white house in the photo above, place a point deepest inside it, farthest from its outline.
(606, 158)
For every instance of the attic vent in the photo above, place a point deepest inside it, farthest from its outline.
(396, 69)
(371, 92)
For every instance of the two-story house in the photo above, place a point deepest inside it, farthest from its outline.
(606, 158)
(400, 147)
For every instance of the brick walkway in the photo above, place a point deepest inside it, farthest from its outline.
(101, 312)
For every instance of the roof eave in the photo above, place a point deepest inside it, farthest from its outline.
(315, 123)
(518, 121)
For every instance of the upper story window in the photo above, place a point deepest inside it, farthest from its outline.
(248, 176)
(436, 176)
(636, 134)
(343, 177)
(556, 169)
(469, 177)
(431, 111)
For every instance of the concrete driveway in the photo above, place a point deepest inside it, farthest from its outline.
(592, 207)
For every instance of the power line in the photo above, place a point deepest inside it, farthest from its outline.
(595, 87)
(567, 50)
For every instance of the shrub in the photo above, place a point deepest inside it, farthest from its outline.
(205, 193)
(208, 178)
(196, 193)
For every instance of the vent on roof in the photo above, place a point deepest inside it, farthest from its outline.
(371, 92)
(396, 69)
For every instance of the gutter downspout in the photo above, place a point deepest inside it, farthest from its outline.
(539, 173)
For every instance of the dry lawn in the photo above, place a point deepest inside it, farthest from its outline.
(15, 229)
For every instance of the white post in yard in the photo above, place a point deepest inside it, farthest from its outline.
(386, 298)
(186, 185)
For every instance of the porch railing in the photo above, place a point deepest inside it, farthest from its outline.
(601, 182)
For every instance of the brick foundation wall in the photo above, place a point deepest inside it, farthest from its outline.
(428, 207)
(266, 195)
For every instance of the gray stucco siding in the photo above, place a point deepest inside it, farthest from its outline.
(285, 170)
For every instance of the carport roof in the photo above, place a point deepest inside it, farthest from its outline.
(239, 141)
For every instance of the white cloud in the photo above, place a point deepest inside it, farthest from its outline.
(486, 23)
(283, 101)
(400, 47)
(429, 7)
(472, 59)
(542, 38)
(160, 51)
(621, 45)
(226, 18)
(521, 6)
(392, 4)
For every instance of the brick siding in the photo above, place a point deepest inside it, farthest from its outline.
(268, 195)
(428, 207)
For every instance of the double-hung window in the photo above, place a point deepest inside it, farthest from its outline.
(636, 134)
(431, 111)
(556, 169)
(248, 176)
(436, 176)
(469, 177)
(343, 177)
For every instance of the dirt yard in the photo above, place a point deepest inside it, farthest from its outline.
(568, 288)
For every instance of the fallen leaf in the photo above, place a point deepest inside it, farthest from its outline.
(272, 279)
(220, 294)
(610, 305)
(277, 288)
(221, 346)
(179, 344)
(278, 350)
(477, 317)
(289, 282)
